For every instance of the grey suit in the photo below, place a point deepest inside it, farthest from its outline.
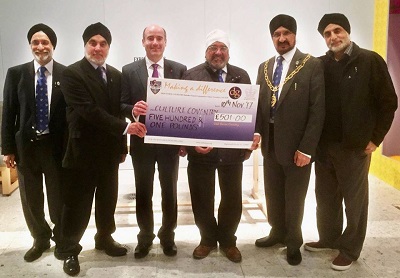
(298, 122)
(35, 156)
(145, 156)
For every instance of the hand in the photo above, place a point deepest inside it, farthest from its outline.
(300, 159)
(9, 160)
(371, 147)
(138, 129)
(140, 108)
(256, 142)
(247, 154)
(182, 151)
(203, 150)
(122, 158)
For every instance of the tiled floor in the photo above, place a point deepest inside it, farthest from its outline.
(380, 256)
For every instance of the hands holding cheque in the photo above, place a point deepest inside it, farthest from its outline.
(138, 128)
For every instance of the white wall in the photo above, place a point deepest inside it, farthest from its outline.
(186, 22)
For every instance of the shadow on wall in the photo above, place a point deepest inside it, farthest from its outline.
(391, 146)
(1, 115)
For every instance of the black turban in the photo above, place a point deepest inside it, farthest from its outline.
(285, 21)
(338, 19)
(96, 29)
(45, 29)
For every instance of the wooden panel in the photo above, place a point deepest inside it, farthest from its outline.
(8, 180)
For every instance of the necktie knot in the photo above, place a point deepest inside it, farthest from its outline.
(278, 71)
(103, 73)
(42, 71)
(155, 71)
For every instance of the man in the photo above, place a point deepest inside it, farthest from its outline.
(33, 129)
(289, 119)
(95, 148)
(360, 106)
(204, 161)
(146, 156)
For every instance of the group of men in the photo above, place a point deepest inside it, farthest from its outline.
(335, 111)
(68, 125)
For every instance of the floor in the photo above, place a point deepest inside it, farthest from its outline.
(379, 258)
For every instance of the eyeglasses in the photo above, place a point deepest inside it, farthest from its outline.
(214, 48)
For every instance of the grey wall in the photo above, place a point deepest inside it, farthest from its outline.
(186, 23)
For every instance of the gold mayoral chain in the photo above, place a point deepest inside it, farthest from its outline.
(290, 76)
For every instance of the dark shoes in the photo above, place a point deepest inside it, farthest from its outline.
(341, 263)
(232, 253)
(267, 241)
(71, 265)
(170, 250)
(293, 256)
(142, 250)
(202, 251)
(316, 246)
(111, 247)
(35, 252)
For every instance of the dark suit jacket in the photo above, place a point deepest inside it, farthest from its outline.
(300, 111)
(18, 123)
(134, 89)
(204, 72)
(368, 99)
(95, 123)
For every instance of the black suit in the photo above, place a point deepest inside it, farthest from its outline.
(145, 156)
(298, 122)
(35, 157)
(94, 149)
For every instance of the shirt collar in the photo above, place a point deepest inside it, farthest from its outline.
(159, 63)
(95, 65)
(48, 66)
(224, 69)
(347, 52)
(288, 56)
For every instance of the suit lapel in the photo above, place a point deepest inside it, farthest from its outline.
(229, 77)
(269, 92)
(31, 87)
(296, 61)
(168, 70)
(56, 94)
(113, 92)
(99, 90)
(143, 73)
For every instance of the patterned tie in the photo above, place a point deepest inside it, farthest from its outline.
(275, 82)
(103, 74)
(42, 102)
(155, 71)
(220, 78)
